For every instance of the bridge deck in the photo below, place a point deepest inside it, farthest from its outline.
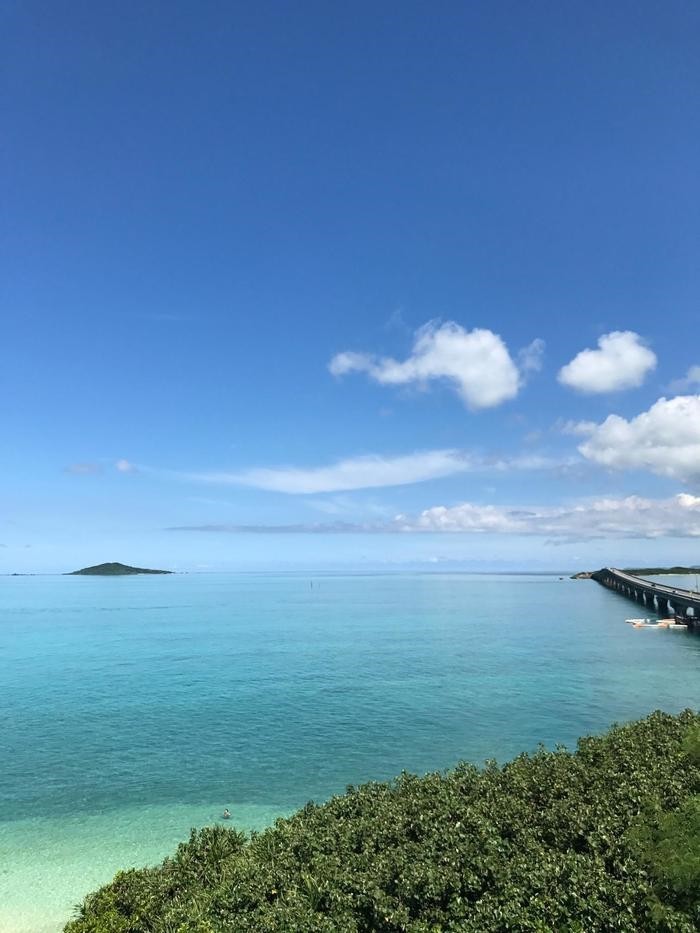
(658, 597)
(656, 587)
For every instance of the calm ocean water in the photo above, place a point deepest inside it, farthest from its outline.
(134, 708)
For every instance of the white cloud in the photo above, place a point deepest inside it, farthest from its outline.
(576, 428)
(665, 439)
(124, 466)
(84, 469)
(345, 507)
(601, 518)
(355, 473)
(530, 357)
(464, 518)
(631, 517)
(476, 363)
(620, 362)
(374, 471)
(348, 362)
(691, 378)
(529, 462)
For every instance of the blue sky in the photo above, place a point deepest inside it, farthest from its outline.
(304, 285)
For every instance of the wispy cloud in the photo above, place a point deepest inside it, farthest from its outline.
(125, 466)
(476, 364)
(397, 321)
(614, 518)
(530, 357)
(95, 468)
(342, 507)
(575, 428)
(301, 528)
(366, 472)
(691, 379)
(374, 471)
(84, 469)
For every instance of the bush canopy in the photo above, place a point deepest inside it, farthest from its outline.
(606, 838)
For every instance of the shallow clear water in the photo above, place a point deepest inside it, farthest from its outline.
(134, 708)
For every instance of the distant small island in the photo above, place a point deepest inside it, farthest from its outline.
(112, 569)
(643, 572)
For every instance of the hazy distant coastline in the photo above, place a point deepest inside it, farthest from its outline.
(644, 572)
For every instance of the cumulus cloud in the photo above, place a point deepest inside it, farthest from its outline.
(632, 516)
(629, 517)
(475, 363)
(665, 440)
(374, 471)
(621, 361)
(465, 517)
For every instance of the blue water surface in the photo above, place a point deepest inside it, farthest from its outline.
(131, 700)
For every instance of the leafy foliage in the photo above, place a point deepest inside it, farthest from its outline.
(658, 571)
(604, 839)
(670, 847)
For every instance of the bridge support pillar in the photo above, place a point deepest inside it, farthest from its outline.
(664, 600)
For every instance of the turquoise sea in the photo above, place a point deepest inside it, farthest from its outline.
(134, 708)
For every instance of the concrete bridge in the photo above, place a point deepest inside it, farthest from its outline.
(664, 600)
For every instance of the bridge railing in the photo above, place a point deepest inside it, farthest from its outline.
(649, 585)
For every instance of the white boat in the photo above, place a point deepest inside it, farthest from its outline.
(662, 623)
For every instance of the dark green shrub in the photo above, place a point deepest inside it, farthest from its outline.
(550, 841)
